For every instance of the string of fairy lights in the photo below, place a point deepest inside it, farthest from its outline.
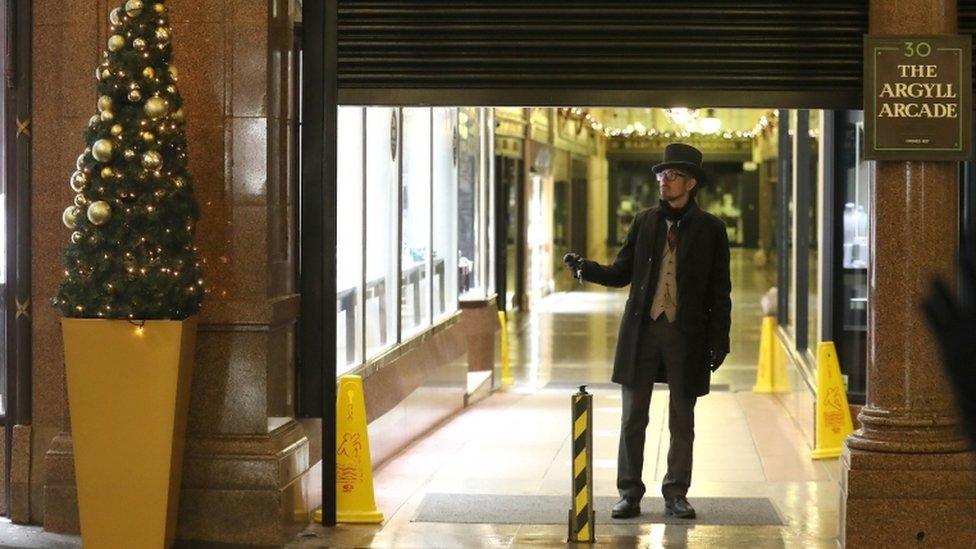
(639, 131)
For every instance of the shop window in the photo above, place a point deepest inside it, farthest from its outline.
(488, 188)
(855, 177)
(349, 251)
(415, 217)
(381, 285)
(813, 241)
(786, 283)
(471, 198)
(444, 279)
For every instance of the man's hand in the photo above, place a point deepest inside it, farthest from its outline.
(954, 325)
(573, 260)
(715, 359)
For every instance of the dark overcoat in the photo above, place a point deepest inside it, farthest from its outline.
(704, 291)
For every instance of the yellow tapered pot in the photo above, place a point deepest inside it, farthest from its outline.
(128, 394)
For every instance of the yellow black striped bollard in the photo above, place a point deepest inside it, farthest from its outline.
(582, 518)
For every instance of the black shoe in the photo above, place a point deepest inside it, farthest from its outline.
(626, 508)
(679, 508)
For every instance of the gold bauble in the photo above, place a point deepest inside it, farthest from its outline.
(93, 121)
(129, 154)
(149, 72)
(107, 116)
(155, 107)
(116, 130)
(80, 163)
(116, 42)
(162, 34)
(99, 212)
(174, 73)
(133, 8)
(171, 89)
(139, 44)
(102, 150)
(104, 103)
(135, 96)
(108, 172)
(98, 73)
(76, 237)
(116, 16)
(179, 116)
(148, 137)
(80, 200)
(160, 8)
(179, 182)
(152, 160)
(78, 181)
(106, 73)
(71, 216)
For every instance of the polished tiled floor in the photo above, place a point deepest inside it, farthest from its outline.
(517, 441)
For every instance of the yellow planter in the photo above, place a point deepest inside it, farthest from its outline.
(128, 394)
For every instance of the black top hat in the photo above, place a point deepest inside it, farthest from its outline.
(683, 157)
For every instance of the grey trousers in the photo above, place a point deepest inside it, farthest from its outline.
(662, 345)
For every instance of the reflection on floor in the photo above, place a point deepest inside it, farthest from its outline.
(517, 442)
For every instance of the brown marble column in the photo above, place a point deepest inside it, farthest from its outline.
(247, 470)
(906, 476)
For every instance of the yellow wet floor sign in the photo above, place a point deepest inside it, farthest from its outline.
(833, 414)
(355, 501)
(771, 374)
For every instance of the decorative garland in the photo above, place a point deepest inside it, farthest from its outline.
(631, 132)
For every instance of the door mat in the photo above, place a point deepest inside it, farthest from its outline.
(507, 509)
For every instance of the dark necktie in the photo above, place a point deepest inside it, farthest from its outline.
(673, 237)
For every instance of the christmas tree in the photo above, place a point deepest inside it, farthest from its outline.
(131, 253)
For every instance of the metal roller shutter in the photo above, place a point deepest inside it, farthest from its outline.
(967, 24)
(612, 52)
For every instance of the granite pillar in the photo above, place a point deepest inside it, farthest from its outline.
(907, 478)
(247, 461)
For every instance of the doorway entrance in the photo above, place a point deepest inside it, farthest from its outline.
(779, 54)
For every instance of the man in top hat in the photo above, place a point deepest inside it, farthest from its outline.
(675, 327)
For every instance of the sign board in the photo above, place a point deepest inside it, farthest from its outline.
(918, 97)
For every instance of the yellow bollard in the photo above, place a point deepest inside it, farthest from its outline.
(355, 502)
(833, 414)
(582, 517)
(771, 375)
(506, 365)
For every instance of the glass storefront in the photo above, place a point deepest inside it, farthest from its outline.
(382, 250)
(445, 199)
(349, 212)
(470, 204)
(788, 284)
(415, 209)
(854, 178)
(833, 146)
(539, 219)
(411, 223)
(813, 241)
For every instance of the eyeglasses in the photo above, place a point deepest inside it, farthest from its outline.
(671, 175)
